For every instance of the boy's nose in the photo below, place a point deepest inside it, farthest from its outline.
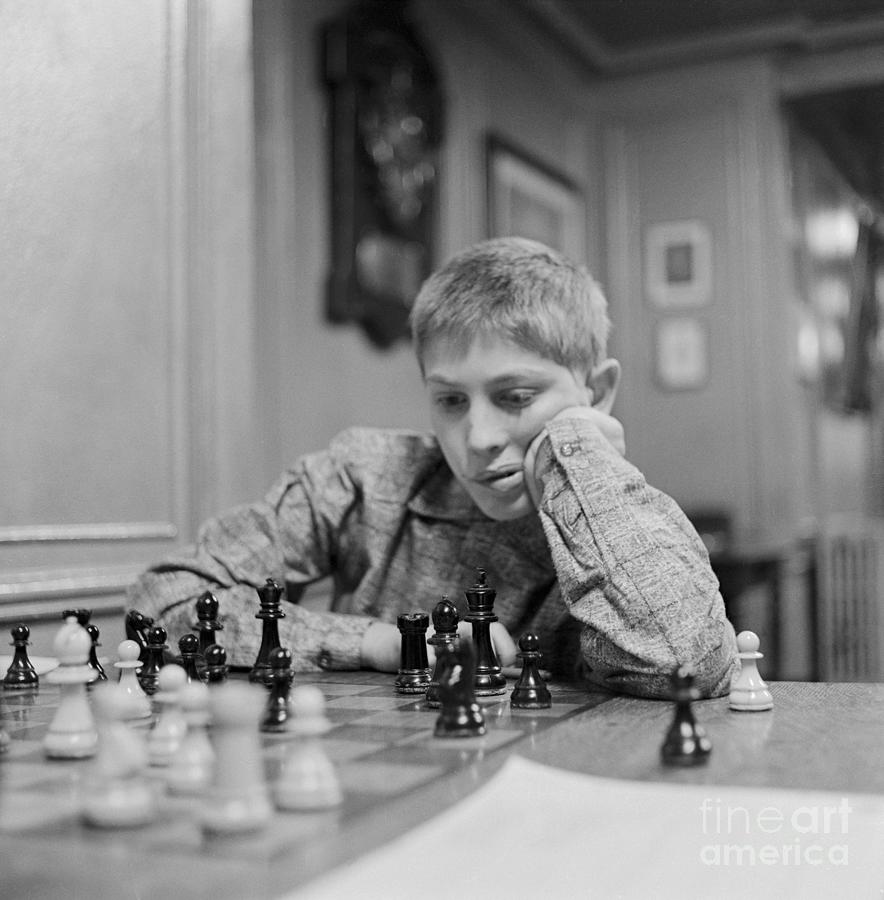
(485, 431)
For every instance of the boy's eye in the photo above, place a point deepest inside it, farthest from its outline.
(517, 397)
(449, 402)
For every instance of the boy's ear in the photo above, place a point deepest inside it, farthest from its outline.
(602, 381)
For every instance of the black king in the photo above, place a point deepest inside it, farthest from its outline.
(489, 678)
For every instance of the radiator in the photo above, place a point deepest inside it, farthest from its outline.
(850, 600)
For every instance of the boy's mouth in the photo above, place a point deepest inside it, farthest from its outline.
(501, 480)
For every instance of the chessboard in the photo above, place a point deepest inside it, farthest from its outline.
(394, 774)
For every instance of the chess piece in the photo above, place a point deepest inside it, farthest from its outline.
(155, 659)
(749, 692)
(137, 625)
(270, 612)
(81, 615)
(21, 672)
(72, 734)
(277, 710)
(191, 767)
(414, 666)
(216, 668)
(445, 619)
(238, 799)
(128, 662)
(167, 734)
(686, 743)
(188, 649)
(530, 691)
(207, 621)
(92, 631)
(460, 715)
(116, 792)
(488, 679)
(307, 778)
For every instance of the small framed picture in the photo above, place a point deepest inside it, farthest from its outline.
(678, 264)
(528, 198)
(681, 353)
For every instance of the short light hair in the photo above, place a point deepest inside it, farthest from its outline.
(519, 290)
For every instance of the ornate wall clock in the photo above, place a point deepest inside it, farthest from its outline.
(386, 110)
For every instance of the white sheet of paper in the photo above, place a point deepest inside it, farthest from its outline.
(534, 831)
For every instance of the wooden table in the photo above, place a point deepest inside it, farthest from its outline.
(818, 737)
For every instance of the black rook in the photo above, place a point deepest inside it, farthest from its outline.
(414, 666)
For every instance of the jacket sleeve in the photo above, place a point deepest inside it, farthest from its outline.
(631, 569)
(290, 536)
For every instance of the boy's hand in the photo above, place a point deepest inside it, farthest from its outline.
(611, 429)
(382, 645)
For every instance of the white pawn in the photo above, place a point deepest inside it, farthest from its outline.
(307, 780)
(171, 726)
(117, 794)
(128, 662)
(72, 733)
(749, 692)
(190, 770)
(237, 799)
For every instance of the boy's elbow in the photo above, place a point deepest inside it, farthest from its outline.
(714, 669)
(650, 676)
(713, 677)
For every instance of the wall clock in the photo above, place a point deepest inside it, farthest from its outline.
(385, 113)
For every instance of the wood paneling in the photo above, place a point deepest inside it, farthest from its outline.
(126, 343)
(704, 144)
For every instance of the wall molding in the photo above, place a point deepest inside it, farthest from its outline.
(100, 531)
(32, 585)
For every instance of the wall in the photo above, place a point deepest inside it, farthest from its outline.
(162, 341)
(705, 144)
(127, 278)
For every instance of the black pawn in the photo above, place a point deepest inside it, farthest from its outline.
(270, 613)
(207, 620)
(278, 710)
(188, 650)
(489, 678)
(148, 676)
(445, 619)
(137, 626)
(21, 672)
(686, 743)
(414, 666)
(93, 653)
(216, 667)
(530, 691)
(460, 715)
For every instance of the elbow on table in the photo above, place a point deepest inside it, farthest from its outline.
(651, 678)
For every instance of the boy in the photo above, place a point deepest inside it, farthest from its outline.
(524, 476)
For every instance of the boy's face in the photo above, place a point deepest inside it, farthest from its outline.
(486, 406)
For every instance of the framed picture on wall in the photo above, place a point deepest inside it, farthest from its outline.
(678, 264)
(529, 198)
(681, 353)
